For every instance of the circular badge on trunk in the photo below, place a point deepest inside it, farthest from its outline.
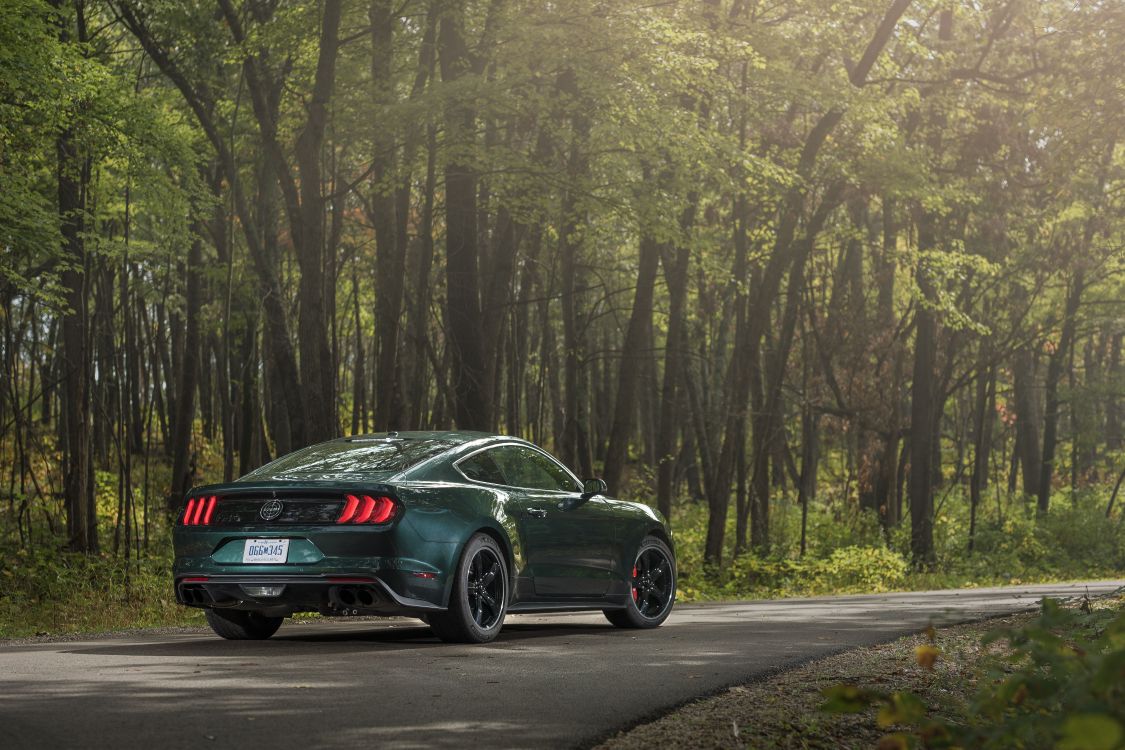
(271, 509)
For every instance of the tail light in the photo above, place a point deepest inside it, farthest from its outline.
(200, 510)
(367, 509)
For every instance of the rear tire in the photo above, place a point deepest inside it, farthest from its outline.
(236, 625)
(479, 599)
(652, 588)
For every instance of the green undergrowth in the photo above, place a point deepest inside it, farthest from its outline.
(1052, 682)
(44, 590)
(848, 552)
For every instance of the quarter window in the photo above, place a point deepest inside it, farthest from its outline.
(482, 468)
(530, 469)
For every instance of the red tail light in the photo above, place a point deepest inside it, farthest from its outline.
(368, 510)
(210, 510)
(349, 509)
(384, 508)
(200, 510)
(368, 507)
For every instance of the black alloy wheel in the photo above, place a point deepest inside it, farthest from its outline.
(485, 586)
(652, 588)
(479, 599)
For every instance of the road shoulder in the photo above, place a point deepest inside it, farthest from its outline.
(783, 710)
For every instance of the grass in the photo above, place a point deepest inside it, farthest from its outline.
(54, 593)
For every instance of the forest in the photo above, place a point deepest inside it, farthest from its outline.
(835, 280)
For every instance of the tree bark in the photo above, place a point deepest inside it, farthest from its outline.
(182, 479)
(390, 248)
(1051, 388)
(78, 488)
(923, 415)
(636, 336)
(472, 393)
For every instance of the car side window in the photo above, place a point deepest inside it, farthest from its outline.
(530, 469)
(482, 468)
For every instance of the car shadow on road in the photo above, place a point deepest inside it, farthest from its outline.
(325, 641)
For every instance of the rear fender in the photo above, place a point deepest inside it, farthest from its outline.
(449, 513)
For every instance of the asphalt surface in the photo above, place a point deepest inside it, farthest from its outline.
(549, 681)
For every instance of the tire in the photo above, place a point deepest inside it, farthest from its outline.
(236, 625)
(479, 599)
(652, 588)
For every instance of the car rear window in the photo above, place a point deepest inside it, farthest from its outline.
(364, 456)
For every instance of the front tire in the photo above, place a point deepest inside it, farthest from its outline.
(479, 599)
(652, 588)
(236, 625)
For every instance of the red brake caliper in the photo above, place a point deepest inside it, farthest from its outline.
(634, 578)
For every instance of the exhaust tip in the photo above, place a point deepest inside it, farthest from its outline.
(365, 598)
(347, 596)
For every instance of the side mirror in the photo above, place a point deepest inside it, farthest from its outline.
(594, 486)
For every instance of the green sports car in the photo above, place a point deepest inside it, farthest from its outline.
(457, 528)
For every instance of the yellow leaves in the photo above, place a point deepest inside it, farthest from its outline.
(927, 655)
(901, 709)
(892, 742)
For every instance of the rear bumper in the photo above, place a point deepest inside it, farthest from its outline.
(334, 594)
(401, 572)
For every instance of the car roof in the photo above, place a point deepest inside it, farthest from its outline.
(450, 436)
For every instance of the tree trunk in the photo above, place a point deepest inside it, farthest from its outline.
(78, 488)
(676, 275)
(923, 415)
(1115, 385)
(471, 391)
(984, 412)
(1051, 388)
(629, 368)
(182, 479)
(390, 255)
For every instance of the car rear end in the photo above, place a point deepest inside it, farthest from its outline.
(276, 547)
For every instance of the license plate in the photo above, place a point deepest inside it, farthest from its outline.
(265, 551)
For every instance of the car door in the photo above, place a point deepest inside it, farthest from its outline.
(568, 538)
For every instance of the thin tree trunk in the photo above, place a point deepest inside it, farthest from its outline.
(629, 369)
(189, 377)
(75, 424)
(1051, 388)
(984, 412)
(471, 391)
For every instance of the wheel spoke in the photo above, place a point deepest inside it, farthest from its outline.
(490, 576)
(651, 583)
(484, 585)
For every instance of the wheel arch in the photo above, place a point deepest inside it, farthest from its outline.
(499, 536)
(662, 533)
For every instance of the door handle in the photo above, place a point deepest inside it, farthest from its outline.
(536, 512)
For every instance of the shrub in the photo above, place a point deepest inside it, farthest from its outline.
(1059, 683)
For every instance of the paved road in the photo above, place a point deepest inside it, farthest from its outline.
(557, 681)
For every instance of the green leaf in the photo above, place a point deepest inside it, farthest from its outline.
(902, 708)
(1091, 732)
(847, 699)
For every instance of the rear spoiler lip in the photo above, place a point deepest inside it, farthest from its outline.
(291, 489)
